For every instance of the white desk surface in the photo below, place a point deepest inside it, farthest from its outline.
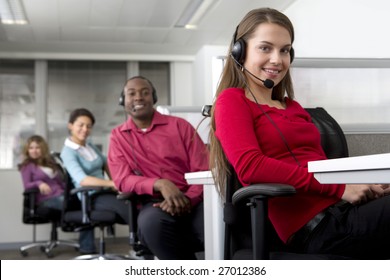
(368, 169)
(201, 177)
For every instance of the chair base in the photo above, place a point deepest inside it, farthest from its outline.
(103, 257)
(102, 251)
(47, 246)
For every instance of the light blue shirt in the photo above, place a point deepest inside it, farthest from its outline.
(79, 166)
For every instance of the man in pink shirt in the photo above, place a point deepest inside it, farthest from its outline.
(149, 155)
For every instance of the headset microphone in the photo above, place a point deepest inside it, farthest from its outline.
(267, 82)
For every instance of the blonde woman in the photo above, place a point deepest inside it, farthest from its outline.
(38, 170)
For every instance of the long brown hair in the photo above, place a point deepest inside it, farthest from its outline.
(233, 77)
(44, 160)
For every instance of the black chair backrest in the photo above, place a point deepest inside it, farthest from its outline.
(332, 136)
(71, 201)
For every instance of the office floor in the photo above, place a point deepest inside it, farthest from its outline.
(113, 246)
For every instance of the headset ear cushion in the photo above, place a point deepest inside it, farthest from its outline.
(154, 95)
(122, 99)
(238, 50)
(292, 55)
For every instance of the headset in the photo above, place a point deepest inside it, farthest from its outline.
(238, 51)
(238, 55)
(154, 93)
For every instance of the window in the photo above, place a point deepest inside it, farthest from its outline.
(355, 93)
(17, 109)
(94, 85)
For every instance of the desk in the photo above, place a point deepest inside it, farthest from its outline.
(370, 169)
(353, 170)
(213, 217)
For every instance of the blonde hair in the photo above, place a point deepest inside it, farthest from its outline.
(233, 77)
(44, 160)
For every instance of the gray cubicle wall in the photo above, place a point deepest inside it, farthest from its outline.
(368, 144)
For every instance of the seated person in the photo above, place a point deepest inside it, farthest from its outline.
(268, 137)
(148, 155)
(39, 170)
(86, 166)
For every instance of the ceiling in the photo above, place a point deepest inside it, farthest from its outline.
(141, 27)
(108, 30)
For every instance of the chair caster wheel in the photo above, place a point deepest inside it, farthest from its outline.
(24, 253)
(48, 253)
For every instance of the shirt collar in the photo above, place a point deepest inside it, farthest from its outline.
(158, 119)
(69, 143)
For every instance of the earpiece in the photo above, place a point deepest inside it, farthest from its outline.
(239, 49)
(292, 55)
(121, 101)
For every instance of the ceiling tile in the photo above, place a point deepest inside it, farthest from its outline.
(105, 13)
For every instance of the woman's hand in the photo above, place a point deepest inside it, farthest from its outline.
(386, 189)
(44, 189)
(361, 193)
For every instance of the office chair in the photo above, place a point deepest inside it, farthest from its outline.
(248, 232)
(139, 249)
(77, 214)
(34, 215)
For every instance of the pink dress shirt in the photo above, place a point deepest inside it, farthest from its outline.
(168, 149)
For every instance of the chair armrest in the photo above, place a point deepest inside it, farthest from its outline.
(31, 190)
(92, 188)
(85, 198)
(258, 195)
(132, 197)
(126, 196)
(265, 190)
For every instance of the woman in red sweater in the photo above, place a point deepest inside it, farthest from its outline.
(268, 137)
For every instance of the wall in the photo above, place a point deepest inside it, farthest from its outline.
(204, 76)
(181, 83)
(340, 28)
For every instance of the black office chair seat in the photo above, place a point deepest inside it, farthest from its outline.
(95, 216)
(133, 200)
(35, 215)
(77, 214)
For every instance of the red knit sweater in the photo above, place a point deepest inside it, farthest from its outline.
(258, 154)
